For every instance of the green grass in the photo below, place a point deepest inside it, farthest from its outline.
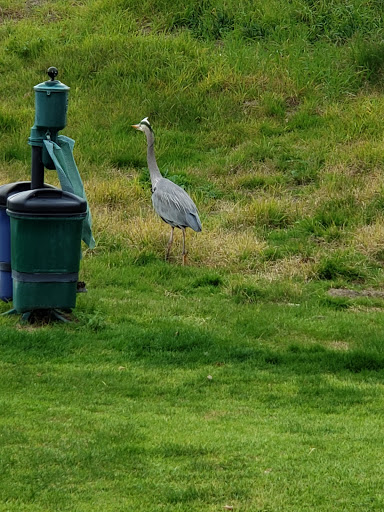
(116, 411)
(271, 116)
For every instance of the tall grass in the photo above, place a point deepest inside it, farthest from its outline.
(271, 117)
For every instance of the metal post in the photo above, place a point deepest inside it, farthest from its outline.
(37, 174)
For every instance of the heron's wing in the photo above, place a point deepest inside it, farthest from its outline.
(174, 205)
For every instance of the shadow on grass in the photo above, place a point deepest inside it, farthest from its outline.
(173, 344)
(302, 360)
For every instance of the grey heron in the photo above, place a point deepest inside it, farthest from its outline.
(170, 202)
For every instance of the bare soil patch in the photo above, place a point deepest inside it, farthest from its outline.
(345, 292)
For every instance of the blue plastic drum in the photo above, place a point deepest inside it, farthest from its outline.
(5, 238)
(5, 258)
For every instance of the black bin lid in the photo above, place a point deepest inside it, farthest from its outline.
(52, 202)
(14, 188)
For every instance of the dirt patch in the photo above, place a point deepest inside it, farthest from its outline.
(11, 14)
(16, 14)
(345, 292)
(362, 309)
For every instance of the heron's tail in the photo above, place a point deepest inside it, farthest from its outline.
(194, 222)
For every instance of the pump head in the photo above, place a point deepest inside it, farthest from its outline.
(51, 104)
(52, 72)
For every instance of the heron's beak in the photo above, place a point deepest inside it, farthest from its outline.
(136, 126)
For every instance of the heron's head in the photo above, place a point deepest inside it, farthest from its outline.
(143, 126)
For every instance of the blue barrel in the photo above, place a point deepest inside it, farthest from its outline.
(5, 258)
(5, 238)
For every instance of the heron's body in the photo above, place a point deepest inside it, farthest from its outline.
(174, 205)
(170, 202)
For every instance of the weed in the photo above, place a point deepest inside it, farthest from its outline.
(93, 322)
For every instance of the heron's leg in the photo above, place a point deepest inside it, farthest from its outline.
(170, 243)
(184, 253)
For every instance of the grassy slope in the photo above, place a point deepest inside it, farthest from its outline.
(272, 119)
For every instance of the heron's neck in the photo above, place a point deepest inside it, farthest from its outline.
(151, 160)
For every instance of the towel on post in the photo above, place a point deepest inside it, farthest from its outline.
(69, 176)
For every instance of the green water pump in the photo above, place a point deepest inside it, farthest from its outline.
(46, 224)
(51, 105)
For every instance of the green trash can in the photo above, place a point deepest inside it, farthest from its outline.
(46, 227)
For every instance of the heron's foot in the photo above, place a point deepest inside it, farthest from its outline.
(185, 258)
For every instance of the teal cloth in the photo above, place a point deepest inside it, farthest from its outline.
(70, 180)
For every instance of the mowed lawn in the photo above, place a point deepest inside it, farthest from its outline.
(170, 391)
